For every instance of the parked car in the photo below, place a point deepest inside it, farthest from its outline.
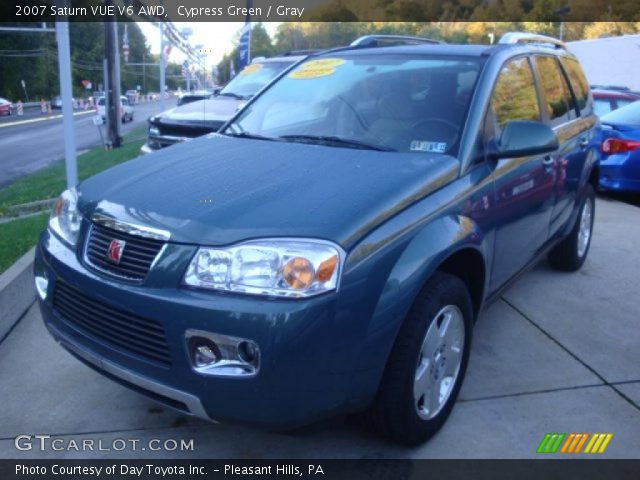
(331, 248)
(194, 96)
(620, 142)
(5, 106)
(206, 116)
(605, 101)
(133, 96)
(126, 110)
(56, 102)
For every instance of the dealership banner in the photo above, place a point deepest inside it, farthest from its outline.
(320, 10)
(374, 469)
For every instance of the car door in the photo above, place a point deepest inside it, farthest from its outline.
(574, 126)
(523, 186)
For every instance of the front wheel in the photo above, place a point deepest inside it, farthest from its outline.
(569, 255)
(428, 361)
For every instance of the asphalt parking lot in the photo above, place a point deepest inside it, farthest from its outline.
(557, 353)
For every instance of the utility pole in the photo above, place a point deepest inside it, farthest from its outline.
(112, 100)
(163, 62)
(64, 66)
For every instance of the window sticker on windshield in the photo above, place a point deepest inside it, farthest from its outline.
(424, 146)
(249, 69)
(317, 68)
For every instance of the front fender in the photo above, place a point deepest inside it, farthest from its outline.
(415, 259)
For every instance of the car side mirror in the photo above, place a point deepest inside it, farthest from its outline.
(522, 138)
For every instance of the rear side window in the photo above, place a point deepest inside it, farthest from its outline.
(553, 89)
(514, 96)
(578, 82)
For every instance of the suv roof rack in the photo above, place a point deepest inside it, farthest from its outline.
(295, 53)
(523, 37)
(375, 40)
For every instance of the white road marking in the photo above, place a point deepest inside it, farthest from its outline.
(35, 120)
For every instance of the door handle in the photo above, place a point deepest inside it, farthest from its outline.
(584, 142)
(547, 161)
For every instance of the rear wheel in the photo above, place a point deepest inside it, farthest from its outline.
(427, 364)
(570, 254)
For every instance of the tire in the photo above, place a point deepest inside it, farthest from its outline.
(397, 412)
(569, 255)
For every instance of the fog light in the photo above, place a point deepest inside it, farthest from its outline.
(204, 355)
(42, 285)
(248, 351)
(222, 355)
(204, 352)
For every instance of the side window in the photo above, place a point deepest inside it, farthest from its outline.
(578, 82)
(514, 96)
(601, 106)
(552, 89)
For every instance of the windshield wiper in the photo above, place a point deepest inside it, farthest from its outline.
(346, 142)
(231, 94)
(255, 136)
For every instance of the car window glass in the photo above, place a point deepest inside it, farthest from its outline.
(578, 82)
(629, 115)
(622, 103)
(601, 106)
(386, 101)
(514, 96)
(553, 93)
(568, 95)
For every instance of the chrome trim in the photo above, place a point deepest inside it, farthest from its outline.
(192, 402)
(131, 228)
(230, 364)
(511, 38)
(87, 261)
(169, 138)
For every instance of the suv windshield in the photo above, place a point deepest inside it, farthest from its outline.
(253, 78)
(380, 101)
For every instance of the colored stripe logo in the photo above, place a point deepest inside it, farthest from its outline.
(573, 443)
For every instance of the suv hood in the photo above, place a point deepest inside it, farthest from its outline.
(219, 190)
(217, 109)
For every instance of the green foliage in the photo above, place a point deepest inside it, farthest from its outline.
(34, 58)
(50, 182)
(261, 46)
(18, 236)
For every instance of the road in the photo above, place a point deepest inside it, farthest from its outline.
(28, 144)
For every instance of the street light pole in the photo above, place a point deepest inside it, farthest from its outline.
(64, 66)
(162, 66)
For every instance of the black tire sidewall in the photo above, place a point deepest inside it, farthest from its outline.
(408, 427)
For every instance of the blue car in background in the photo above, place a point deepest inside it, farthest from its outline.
(620, 145)
(330, 248)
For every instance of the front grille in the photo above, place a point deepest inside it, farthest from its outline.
(137, 335)
(188, 130)
(137, 256)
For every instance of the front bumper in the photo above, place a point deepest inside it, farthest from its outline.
(306, 368)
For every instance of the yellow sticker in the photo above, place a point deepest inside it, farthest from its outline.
(317, 68)
(249, 69)
(323, 63)
(312, 72)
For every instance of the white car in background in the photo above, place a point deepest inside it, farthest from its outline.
(126, 110)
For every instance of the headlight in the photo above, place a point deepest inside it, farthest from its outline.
(65, 219)
(276, 267)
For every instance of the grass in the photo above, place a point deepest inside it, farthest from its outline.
(51, 181)
(18, 236)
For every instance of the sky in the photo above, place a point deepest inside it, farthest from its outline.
(216, 37)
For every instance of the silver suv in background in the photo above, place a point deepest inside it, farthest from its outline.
(205, 116)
